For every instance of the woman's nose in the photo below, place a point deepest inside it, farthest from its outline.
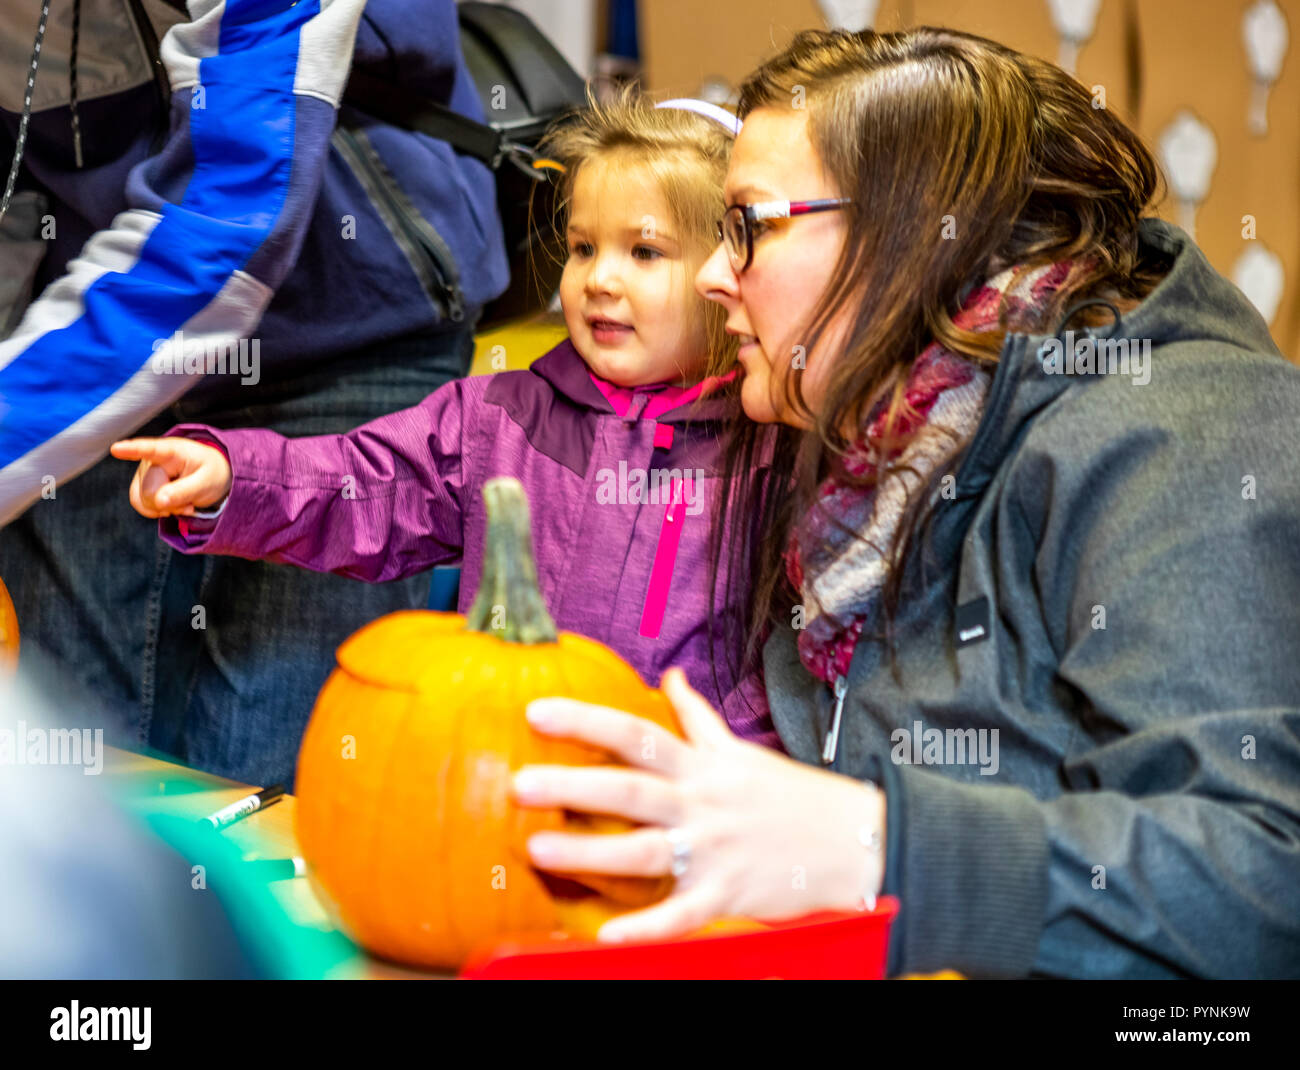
(715, 280)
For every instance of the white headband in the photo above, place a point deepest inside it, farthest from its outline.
(709, 111)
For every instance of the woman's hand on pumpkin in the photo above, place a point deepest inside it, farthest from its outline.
(769, 837)
(175, 475)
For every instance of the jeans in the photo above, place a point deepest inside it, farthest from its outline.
(214, 661)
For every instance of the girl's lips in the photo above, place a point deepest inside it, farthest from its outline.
(607, 332)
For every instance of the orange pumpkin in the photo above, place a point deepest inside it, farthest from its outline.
(8, 630)
(405, 815)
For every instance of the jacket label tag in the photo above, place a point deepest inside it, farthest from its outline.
(973, 622)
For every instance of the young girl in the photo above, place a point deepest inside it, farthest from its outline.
(615, 433)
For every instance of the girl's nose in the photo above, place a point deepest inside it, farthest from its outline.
(603, 276)
(716, 281)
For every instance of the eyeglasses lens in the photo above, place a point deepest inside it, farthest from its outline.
(733, 235)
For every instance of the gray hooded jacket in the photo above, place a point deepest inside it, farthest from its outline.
(1092, 761)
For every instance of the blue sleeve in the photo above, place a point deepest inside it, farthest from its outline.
(172, 283)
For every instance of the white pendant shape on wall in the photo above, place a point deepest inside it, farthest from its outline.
(1259, 274)
(1264, 33)
(1075, 21)
(1189, 152)
(851, 15)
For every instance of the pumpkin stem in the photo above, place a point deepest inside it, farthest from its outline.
(509, 602)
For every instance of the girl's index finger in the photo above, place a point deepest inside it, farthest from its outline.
(156, 450)
(137, 449)
(126, 449)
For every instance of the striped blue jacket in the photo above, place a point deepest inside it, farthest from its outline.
(218, 201)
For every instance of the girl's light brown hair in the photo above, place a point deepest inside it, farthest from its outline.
(684, 153)
(918, 126)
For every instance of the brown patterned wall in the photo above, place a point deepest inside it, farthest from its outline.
(1154, 57)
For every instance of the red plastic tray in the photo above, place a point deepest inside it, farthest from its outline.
(850, 946)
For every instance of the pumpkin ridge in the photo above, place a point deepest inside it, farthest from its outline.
(455, 778)
(378, 813)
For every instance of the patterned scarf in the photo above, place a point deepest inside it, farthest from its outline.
(840, 573)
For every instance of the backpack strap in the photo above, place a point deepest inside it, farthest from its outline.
(382, 100)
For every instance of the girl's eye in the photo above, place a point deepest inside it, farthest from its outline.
(581, 248)
(759, 227)
(646, 252)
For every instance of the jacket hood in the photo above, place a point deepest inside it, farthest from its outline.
(1193, 303)
(565, 370)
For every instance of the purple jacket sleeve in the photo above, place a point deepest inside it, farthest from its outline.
(381, 502)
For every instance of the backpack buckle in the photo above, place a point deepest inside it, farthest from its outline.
(522, 156)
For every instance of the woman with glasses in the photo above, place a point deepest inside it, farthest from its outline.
(1025, 575)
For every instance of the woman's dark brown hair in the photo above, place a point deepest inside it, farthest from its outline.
(925, 129)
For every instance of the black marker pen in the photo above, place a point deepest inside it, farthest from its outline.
(249, 804)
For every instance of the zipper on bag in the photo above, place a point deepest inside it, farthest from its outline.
(423, 247)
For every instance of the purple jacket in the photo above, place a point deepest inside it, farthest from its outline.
(621, 484)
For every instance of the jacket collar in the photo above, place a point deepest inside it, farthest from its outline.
(568, 373)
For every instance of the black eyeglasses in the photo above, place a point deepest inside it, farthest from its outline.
(736, 228)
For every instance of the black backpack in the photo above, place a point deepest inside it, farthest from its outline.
(502, 48)
(524, 84)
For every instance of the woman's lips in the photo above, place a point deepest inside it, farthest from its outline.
(610, 332)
